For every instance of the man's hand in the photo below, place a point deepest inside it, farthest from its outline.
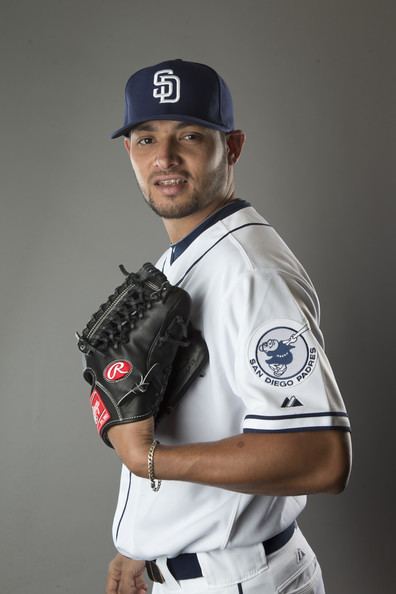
(125, 576)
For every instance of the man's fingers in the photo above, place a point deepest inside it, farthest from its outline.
(113, 575)
(131, 584)
(111, 585)
(132, 581)
(125, 576)
(141, 585)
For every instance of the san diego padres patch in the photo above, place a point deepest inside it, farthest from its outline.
(282, 353)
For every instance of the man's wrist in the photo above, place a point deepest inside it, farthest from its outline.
(132, 442)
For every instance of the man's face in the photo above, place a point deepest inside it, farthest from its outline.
(181, 168)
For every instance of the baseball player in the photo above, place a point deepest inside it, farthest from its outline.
(264, 424)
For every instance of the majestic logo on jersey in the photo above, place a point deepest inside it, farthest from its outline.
(290, 402)
(167, 86)
(100, 413)
(282, 353)
(117, 370)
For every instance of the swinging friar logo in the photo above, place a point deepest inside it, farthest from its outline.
(282, 354)
(167, 86)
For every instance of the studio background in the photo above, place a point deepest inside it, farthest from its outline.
(314, 88)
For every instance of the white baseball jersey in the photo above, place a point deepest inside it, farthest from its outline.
(259, 314)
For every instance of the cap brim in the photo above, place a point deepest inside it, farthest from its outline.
(125, 130)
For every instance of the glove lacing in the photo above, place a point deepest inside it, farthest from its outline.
(108, 327)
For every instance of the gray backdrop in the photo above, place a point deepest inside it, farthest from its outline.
(314, 88)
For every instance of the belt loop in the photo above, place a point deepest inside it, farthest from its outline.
(170, 581)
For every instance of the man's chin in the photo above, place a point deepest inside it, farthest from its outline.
(174, 211)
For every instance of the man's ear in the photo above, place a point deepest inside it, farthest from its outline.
(127, 144)
(235, 141)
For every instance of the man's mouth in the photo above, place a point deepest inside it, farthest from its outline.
(170, 181)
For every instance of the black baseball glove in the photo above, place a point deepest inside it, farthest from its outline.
(137, 342)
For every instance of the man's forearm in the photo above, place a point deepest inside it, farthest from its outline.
(262, 464)
(271, 464)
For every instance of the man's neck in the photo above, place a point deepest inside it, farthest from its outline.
(177, 229)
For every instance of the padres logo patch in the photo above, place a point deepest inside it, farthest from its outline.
(282, 353)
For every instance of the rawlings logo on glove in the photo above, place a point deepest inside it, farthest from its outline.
(117, 370)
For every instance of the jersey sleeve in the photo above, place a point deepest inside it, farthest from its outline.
(282, 373)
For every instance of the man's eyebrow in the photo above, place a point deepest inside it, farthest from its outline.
(149, 127)
(145, 126)
(185, 125)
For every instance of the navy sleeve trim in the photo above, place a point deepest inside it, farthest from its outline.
(295, 422)
(299, 429)
(297, 416)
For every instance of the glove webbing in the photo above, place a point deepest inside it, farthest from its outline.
(112, 323)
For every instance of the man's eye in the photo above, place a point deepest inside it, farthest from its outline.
(145, 140)
(191, 136)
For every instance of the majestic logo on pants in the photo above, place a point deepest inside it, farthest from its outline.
(117, 370)
(282, 353)
(168, 86)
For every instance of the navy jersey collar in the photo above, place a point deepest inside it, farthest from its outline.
(178, 248)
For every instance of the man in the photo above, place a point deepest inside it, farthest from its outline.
(265, 424)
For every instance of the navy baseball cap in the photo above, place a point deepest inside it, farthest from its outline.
(177, 90)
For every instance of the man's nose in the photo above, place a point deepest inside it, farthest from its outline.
(167, 156)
